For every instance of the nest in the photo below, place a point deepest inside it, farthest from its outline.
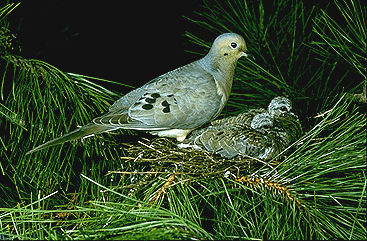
(158, 156)
(161, 155)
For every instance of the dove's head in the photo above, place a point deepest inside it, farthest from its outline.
(229, 46)
(221, 61)
(279, 107)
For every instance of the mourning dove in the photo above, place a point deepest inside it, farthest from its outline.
(257, 133)
(175, 103)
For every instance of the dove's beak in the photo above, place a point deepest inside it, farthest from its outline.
(244, 54)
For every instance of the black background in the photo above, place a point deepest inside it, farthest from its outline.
(124, 41)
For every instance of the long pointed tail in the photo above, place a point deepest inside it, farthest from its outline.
(76, 134)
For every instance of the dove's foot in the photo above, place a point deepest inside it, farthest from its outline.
(179, 134)
(186, 146)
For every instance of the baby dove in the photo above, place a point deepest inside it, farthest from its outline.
(175, 103)
(257, 133)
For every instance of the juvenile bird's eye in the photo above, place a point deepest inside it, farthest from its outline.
(283, 108)
(233, 45)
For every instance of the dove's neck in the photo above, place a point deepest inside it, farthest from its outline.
(223, 72)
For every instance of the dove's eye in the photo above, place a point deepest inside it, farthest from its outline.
(283, 108)
(233, 45)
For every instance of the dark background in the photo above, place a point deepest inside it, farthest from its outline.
(123, 41)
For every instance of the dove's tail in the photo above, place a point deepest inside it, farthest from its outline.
(74, 135)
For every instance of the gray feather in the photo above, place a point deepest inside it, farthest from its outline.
(74, 135)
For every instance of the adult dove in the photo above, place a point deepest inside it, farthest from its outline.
(257, 133)
(175, 103)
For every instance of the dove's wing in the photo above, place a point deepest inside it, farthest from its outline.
(234, 139)
(223, 135)
(244, 118)
(230, 139)
(185, 98)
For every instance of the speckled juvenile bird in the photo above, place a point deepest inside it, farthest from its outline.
(175, 103)
(257, 133)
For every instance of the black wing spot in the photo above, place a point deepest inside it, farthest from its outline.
(150, 100)
(166, 109)
(155, 95)
(137, 103)
(220, 133)
(165, 103)
(170, 95)
(147, 107)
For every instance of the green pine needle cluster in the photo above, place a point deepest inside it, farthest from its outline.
(121, 185)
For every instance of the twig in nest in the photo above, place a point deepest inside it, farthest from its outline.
(142, 143)
(162, 190)
(134, 172)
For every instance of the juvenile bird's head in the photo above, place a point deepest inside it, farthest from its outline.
(279, 107)
(229, 47)
(262, 121)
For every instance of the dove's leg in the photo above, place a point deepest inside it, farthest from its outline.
(84, 131)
